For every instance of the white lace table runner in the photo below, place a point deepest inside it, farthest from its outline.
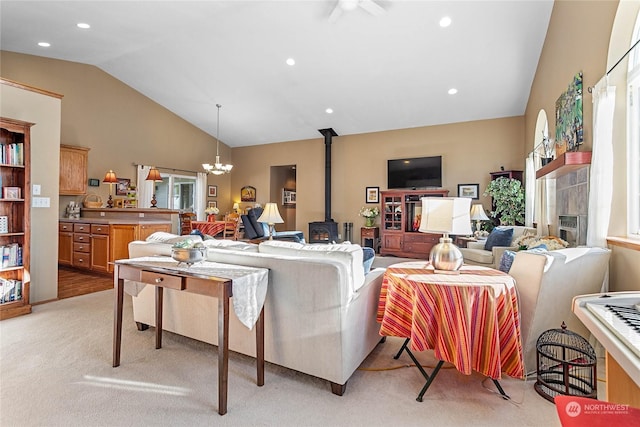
(249, 284)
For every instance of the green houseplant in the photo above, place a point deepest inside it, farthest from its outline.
(508, 200)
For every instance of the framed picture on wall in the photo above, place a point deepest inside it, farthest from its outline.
(372, 195)
(123, 186)
(213, 191)
(248, 194)
(288, 197)
(469, 190)
(212, 204)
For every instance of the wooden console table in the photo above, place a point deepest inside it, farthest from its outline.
(206, 278)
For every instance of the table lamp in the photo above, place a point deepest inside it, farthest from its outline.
(110, 178)
(236, 207)
(478, 215)
(154, 175)
(271, 216)
(448, 215)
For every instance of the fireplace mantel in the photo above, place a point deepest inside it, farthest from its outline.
(565, 163)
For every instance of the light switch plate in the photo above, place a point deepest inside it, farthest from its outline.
(36, 189)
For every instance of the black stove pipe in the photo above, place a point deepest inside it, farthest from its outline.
(328, 133)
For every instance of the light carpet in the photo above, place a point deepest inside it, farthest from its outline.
(56, 370)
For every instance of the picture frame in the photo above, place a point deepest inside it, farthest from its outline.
(212, 191)
(212, 204)
(118, 203)
(288, 197)
(94, 182)
(122, 187)
(248, 194)
(471, 191)
(11, 192)
(372, 195)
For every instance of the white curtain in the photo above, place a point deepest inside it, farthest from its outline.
(601, 179)
(529, 190)
(200, 201)
(145, 188)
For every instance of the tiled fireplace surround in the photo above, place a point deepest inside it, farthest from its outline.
(572, 198)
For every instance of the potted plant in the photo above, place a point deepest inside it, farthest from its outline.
(508, 200)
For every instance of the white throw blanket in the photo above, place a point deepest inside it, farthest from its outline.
(249, 284)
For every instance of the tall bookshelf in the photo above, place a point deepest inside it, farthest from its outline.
(15, 205)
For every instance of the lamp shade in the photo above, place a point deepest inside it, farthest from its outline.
(110, 178)
(154, 174)
(236, 206)
(477, 213)
(447, 215)
(270, 215)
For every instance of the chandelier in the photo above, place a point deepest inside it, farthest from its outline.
(217, 168)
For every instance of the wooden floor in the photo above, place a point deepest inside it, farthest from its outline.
(72, 282)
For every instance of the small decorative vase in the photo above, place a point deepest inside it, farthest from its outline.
(369, 222)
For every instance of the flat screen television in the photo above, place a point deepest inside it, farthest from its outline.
(417, 172)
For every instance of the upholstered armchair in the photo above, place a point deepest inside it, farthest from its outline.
(489, 252)
(257, 231)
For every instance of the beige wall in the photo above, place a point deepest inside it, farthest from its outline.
(117, 123)
(601, 35)
(44, 111)
(470, 151)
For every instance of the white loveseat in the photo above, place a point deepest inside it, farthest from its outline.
(546, 283)
(320, 309)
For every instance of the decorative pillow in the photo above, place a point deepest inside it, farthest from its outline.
(163, 237)
(231, 245)
(506, 261)
(499, 237)
(368, 255)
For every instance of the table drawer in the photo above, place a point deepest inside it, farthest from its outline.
(81, 259)
(164, 280)
(99, 229)
(81, 228)
(81, 238)
(82, 247)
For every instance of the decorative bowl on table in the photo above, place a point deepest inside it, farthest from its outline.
(188, 256)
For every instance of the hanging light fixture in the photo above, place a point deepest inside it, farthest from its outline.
(217, 168)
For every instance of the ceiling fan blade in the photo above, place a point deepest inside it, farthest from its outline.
(335, 14)
(372, 7)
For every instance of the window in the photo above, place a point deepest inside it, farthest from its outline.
(176, 192)
(633, 136)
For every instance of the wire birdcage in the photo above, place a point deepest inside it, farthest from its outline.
(566, 365)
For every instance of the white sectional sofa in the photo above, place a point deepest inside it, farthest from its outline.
(546, 284)
(320, 309)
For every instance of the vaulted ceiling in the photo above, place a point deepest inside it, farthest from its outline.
(382, 65)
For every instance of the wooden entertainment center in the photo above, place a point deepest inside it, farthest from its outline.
(399, 233)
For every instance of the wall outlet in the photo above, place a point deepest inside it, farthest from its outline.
(40, 202)
(141, 214)
(102, 214)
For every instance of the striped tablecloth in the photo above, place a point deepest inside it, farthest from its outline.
(470, 320)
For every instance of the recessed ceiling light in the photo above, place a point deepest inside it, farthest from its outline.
(44, 44)
(329, 110)
(83, 25)
(291, 61)
(445, 22)
(452, 91)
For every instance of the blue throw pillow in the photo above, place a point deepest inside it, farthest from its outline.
(368, 254)
(499, 237)
(506, 261)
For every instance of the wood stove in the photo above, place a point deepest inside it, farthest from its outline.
(325, 231)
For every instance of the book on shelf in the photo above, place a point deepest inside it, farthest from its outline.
(12, 154)
(10, 290)
(11, 255)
